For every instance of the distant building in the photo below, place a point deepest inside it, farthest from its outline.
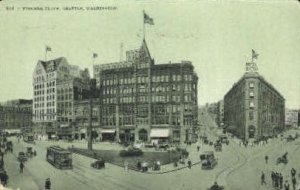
(82, 114)
(253, 108)
(16, 115)
(291, 117)
(141, 101)
(220, 115)
(57, 85)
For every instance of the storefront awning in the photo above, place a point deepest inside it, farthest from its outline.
(159, 133)
(108, 130)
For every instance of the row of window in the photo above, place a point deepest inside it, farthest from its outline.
(65, 97)
(110, 121)
(145, 79)
(144, 89)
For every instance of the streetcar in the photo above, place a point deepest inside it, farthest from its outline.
(59, 157)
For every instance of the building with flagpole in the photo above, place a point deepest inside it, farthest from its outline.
(147, 102)
(57, 85)
(253, 108)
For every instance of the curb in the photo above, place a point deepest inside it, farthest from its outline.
(133, 169)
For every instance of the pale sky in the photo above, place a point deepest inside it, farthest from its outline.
(217, 36)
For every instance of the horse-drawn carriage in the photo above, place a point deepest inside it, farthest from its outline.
(283, 159)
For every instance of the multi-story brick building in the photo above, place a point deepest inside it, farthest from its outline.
(16, 115)
(253, 108)
(57, 85)
(291, 117)
(143, 101)
(220, 115)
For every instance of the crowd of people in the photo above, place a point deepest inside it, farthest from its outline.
(278, 180)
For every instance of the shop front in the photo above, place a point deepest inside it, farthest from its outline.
(108, 135)
(127, 136)
(159, 136)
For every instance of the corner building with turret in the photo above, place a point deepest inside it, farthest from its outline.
(253, 108)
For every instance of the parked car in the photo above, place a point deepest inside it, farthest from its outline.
(22, 157)
(218, 146)
(290, 138)
(29, 152)
(208, 160)
(98, 164)
(223, 139)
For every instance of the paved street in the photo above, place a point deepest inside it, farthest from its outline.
(234, 162)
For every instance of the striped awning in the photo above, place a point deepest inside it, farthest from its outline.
(108, 130)
(159, 133)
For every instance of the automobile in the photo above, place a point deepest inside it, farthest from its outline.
(22, 157)
(218, 147)
(29, 152)
(208, 160)
(98, 164)
(164, 146)
(224, 139)
(290, 138)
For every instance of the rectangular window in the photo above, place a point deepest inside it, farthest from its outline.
(251, 84)
(251, 94)
(251, 115)
(251, 105)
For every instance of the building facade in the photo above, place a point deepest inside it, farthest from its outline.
(291, 117)
(220, 115)
(141, 101)
(253, 108)
(16, 115)
(57, 85)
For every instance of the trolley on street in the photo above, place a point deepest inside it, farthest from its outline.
(59, 157)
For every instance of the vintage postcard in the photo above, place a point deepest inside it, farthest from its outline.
(150, 95)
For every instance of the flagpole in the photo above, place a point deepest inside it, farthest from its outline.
(46, 54)
(144, 24)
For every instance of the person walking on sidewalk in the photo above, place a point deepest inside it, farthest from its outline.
(21, 167)
(47, 184)
(294, 181)
(266, 159)
(263, 179)
(280, 181)
(189, 164)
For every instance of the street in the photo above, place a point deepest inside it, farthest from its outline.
(234, 162)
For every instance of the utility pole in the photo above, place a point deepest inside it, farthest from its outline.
(90, 136)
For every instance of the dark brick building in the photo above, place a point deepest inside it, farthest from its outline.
(142, 101)
(253, 108)
(16, 115)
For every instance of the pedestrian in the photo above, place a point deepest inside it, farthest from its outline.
(47, 184)
(266, 159)
(273, 178)
(198, 148)
(263, 179)
(286, 185)
(4, 178)
(276, 180)
(294, 181)
(293, 172)
(189, 164)
(280, 181)
(21, 167)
